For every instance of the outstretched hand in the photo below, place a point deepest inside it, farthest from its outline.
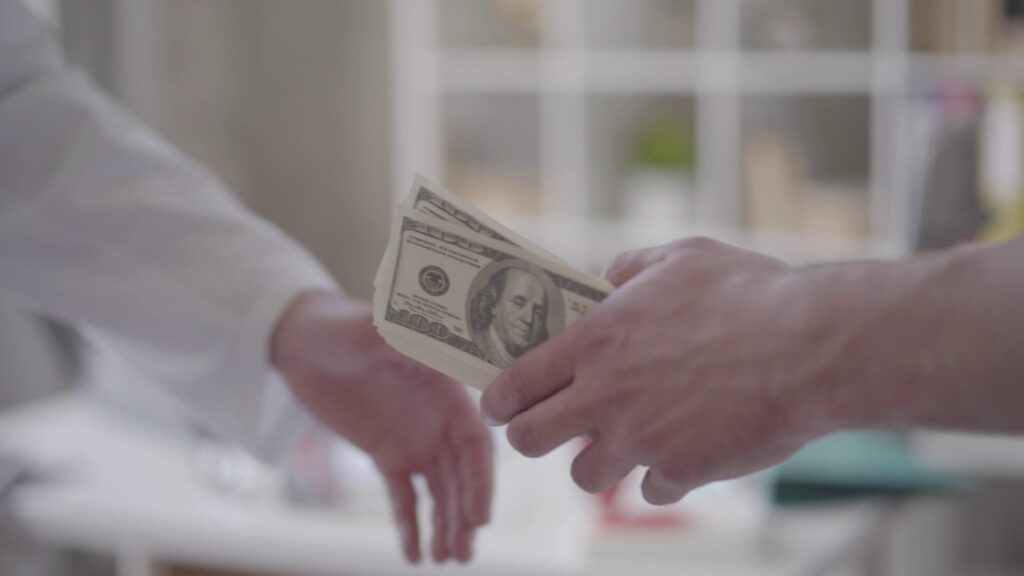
(408, 418)
(698, 367)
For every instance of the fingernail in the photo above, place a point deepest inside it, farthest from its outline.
(490, 421)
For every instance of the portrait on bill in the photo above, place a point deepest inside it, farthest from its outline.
(513, 306)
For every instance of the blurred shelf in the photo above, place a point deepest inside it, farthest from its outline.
(658, 24)
(646, 72)
(642, 72)
(655, 72)
(496, 70)
(597, 62)
(966, 68)
(690, 71)
(488, 23)
(806, 73)
(807, 24)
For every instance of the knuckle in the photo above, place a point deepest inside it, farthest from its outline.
(605, 338)
(597, 341)
(696, 244)
(505, 397)
(691, 250)
(609, 402)
(632, 442)
(514, 391)
(622, 260)
(612, 401)
(689, 470)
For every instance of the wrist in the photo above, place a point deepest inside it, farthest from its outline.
(811, 330)
(868, 324)
(312, 319)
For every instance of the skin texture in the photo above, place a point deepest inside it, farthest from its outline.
(710, 362)
(519, 313)
(408, 418)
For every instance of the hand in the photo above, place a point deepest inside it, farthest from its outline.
(410, 419)
(698, 366)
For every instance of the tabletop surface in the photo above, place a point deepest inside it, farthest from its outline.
(114, 484)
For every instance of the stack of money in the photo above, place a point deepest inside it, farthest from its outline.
(465, 295)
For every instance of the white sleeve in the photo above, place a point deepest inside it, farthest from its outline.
(104, 224)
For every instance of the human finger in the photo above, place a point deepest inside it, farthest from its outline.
(436, 484)
(536, 375)
(551, 423)
(476, 469)
(403, 505)
(694, 464)
(626, 265)
(462, 541)
(658, 489)
(456, 535)
(601, 465)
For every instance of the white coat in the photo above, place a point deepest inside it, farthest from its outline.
(103, 224)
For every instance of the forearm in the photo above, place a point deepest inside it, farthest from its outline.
(103, 224)
(313, 324)
(929, 342)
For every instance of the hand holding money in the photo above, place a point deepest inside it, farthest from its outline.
(466, 296)
(708, 362)
(667, 373)
(703, 365)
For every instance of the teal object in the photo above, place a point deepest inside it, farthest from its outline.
(856, 465)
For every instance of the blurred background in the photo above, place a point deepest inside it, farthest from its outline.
(814, 130)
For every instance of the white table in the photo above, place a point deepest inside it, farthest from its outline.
(133, 491)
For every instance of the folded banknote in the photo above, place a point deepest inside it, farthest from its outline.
(459, 292)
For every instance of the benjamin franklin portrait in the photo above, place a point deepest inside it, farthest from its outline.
(513, 307)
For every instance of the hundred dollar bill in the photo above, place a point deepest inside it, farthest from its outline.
(444, 363)
(468, 304)
(437, 201)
